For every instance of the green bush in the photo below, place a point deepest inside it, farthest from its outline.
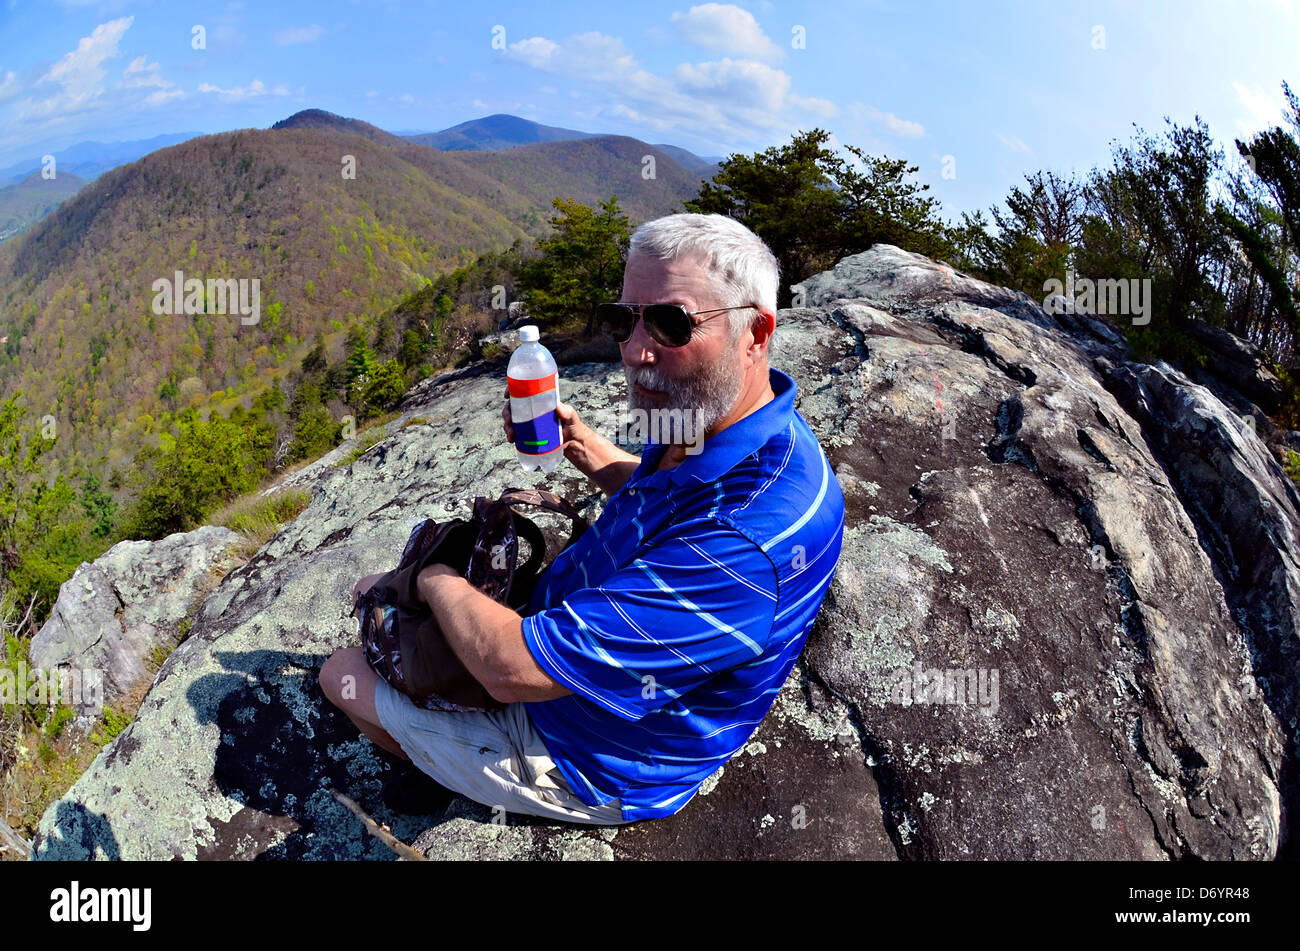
(114, 723)
(385, 388)
(1292, 466)
(208, 462)
(316, 433)
(54, 725)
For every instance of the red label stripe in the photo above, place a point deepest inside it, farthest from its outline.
(522, 388)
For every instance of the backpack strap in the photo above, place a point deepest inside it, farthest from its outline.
(548, 500)
(536, 542)
(493, 567)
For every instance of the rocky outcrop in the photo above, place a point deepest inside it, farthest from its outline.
(1063, 626)
(1238, 364)
(115, 611)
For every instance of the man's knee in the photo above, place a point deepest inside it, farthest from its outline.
(334, 674)
(364, 584)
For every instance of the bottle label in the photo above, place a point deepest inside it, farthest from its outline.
(541, 434)
(537, 436)
(522, 388)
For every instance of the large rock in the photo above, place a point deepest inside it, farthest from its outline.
(1239, 365)
(113, 612)
(1098, 543)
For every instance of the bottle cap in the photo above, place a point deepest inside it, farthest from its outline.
(528, 333)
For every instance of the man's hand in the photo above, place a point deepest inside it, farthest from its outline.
(593, 455)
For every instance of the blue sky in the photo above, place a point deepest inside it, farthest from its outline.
(1003, 88)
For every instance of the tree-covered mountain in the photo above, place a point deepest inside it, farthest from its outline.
(500, 131)
(320, 119)
(504, 131)
(26, 202)
(335, 220)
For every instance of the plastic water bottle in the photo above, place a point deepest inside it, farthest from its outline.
(534, 394)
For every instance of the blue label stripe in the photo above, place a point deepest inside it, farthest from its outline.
(543, 428)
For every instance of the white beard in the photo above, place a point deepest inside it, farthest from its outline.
(710, 395)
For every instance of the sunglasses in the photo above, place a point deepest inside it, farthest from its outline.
(669, 324)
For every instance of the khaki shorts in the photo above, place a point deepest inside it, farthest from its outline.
(495, 758)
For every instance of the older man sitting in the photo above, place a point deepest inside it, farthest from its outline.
(655, 645)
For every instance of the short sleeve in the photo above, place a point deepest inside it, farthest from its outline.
(700, 602)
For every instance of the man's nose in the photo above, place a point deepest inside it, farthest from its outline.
(640, 347)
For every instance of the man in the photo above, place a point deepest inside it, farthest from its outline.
(655, 645)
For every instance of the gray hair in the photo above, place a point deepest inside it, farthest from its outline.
(745, 269)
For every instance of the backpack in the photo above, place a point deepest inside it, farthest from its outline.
(401, 638)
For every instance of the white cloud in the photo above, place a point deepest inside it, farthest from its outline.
(535, 51)
(161, 96)
(815, 106)
(906, 128)
(590, 55)
(299, 34)
(239, 93)
(721, 100)
(1014, 143)
(726, 29)
(1263, 110)
(9, 86)
(740, 81)
(138, 75)
(79, 74)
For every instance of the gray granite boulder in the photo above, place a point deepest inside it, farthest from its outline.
(1064, 623)
(113, 612)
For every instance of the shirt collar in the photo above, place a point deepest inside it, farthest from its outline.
(723, 450)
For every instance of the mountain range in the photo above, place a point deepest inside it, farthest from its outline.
(87, 160)
(335, 219)
(502, 131)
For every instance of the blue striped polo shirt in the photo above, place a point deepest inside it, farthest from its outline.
(677, 616)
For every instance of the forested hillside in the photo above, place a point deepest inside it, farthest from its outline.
(31, 199)
(328, 250)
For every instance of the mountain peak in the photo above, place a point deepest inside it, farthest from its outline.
(321, 119)
(495, 132)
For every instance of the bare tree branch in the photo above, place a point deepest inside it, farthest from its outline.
(381, 833)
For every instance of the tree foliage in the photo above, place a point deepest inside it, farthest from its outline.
(580, 265)
(205, 463)
(813, 207)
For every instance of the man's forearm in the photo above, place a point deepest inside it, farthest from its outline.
(473, 625)
(487, 637)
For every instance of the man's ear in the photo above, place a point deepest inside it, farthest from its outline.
(763, 325)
